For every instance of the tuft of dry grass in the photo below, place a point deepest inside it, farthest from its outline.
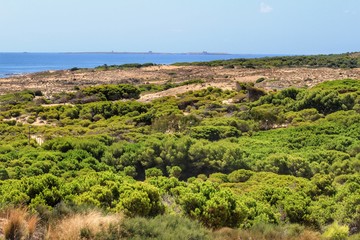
(32, 224)
(80, 226)
(19, 224)
(227, 234)
(309, 235)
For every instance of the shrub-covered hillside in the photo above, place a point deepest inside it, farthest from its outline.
(248, 162)
(346, 60)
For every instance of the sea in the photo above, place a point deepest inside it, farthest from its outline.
(22, 63)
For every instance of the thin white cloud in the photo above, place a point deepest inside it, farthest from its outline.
(265, 8)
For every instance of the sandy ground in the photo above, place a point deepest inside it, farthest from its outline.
(178, 90)
(57, 81)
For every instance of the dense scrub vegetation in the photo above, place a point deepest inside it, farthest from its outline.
(285, 162)
(124, 66)
(347, 60)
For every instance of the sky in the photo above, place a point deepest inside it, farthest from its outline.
(226, 26)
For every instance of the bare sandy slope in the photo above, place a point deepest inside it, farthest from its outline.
(57, 81)
(182, 89)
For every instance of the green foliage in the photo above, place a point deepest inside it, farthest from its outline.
(332, 61)
(108, 92)
(17, 97)
(285, 164)
(174, 171)
(130, 171)
(212, 206)
(259, 80)
(336, 232)
(60, 144)
(343, 86)
(212, 133)
(287, 158)
(324, 101)
(296, 207)
(127, 65)
(241, 175)
(267, 115)
(163, 227)
(241, 125)
(113, 92)
(140, 199)
(153, 172)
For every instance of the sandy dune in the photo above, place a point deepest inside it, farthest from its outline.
(56, 81)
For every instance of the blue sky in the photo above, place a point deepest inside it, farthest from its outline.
(232, 26)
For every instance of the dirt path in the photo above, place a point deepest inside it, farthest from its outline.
(182, 89)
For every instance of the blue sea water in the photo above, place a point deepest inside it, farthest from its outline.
(21, 63)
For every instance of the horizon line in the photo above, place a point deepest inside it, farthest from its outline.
(148, 52)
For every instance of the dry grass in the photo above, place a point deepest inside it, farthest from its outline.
(32, 224)
(19, 224)
(80, 226)
(269, 234)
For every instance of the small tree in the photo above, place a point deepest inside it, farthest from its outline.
(153, 172)
(174, 171)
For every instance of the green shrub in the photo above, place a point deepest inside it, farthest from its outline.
(153, 172)
(241, 175)
(113, 92)
(259, 80)
(140, 199)
(336, 232)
